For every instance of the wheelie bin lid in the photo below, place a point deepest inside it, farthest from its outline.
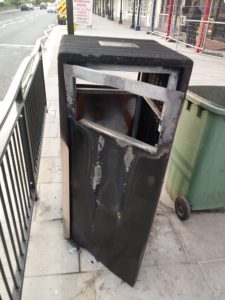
(211, 98)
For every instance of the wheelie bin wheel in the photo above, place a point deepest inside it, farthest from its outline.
(182, 208)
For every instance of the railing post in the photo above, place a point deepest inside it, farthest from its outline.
(152, 21)
(28, 155)
(169, 19)
(202, 28)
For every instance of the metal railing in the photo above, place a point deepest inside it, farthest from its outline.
(203, 34)
(22, 115)
(198, 35)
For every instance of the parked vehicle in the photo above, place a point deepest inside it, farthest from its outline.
(43, 5)
(61, 12)
(51, 8)
(27, 6)
(31, 7)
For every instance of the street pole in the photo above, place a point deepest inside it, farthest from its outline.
(121, 12)
(133, 16)
(103, 13)
(109, 9)
(112, 17)
(202, 28)
(206, 29)
(152, 16)
(138, 27)
(169, 19)
(69, 12)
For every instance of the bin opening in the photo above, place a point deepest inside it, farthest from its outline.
(212, 94)
(118, 110)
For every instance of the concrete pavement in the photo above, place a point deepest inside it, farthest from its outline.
(182, 261)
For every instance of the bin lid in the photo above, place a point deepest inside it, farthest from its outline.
(211, 98)
(82, 50)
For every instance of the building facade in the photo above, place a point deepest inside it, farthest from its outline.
(160, 13)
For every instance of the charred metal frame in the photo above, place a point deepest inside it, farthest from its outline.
(21, 129)
(102, 193)
(169, 96)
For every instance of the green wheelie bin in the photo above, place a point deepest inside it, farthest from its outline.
(196, 170)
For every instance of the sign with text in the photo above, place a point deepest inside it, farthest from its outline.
(82, 12)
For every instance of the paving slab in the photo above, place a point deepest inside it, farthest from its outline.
(163, 247)
(45, 170)
(214, 273)
(56, 170)
(52, 90)
(60, 287)
(53, 105)
(48, 252)
(51, 147)
(51, 116)
(202, 236)
(51, 130)
(49, 205)
(167, 282)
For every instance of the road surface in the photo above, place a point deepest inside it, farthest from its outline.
(19, 30)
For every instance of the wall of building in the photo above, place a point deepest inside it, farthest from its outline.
(180, 10)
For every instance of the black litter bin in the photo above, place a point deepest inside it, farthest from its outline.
(116, 136)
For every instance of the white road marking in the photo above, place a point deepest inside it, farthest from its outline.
(16, 46)
(46, 33)
(5, 21)
(12, 23)
(15, 22)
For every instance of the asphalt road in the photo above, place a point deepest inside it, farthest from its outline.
(19, 30)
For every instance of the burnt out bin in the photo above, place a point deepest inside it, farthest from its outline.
(196, 172)
(119, 104)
